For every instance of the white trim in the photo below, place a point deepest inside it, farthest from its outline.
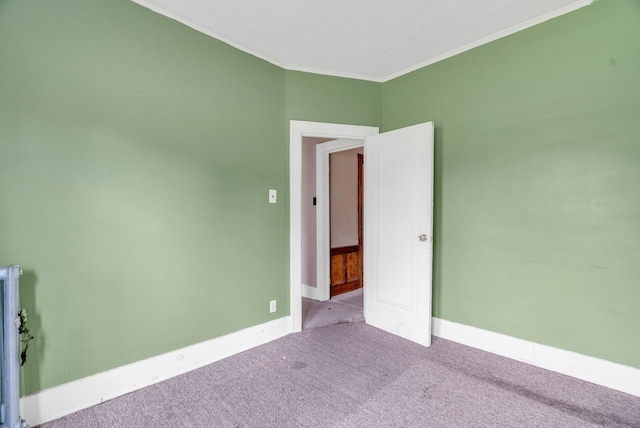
(276, 62)
(380, 79)
(490, 38)
(595, 370)
(56, 402)
(311, 292)
(53, 403)
(323, 214)
(171, 15)
(297, 131)
(445, 55)
(335, 73)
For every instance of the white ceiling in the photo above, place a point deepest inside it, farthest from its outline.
(367, 39)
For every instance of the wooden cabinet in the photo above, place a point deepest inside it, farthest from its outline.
(346, 269)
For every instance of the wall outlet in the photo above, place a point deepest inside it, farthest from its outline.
(272, 306)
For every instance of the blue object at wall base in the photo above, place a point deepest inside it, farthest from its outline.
(9, 373)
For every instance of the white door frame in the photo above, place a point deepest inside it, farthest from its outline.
(297, 131)
(323, 214)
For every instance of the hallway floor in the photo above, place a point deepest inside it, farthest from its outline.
(345, 308)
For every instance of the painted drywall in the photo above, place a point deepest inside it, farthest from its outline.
(537, 186)
(135, 159)
(343, 183)
(137, 155)
(317, 98)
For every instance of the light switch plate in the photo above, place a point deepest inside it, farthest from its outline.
(272, 196)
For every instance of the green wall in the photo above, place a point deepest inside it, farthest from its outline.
(136, 154)
(537, 210)
(135, 159)
(330, 99)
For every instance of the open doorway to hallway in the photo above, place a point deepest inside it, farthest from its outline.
(300, 130)
(397, 265)
(346, 202)
(331, 223)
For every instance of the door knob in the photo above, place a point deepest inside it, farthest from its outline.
(423, 237)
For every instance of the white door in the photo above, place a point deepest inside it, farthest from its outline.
(398, 224)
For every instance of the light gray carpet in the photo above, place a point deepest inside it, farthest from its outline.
(344, 308)
(354, 375)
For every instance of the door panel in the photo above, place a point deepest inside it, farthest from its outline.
(398, 210)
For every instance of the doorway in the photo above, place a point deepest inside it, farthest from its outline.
(346, 202)
(398, 212)
(331, 247)
(299, 130)
(323, 153)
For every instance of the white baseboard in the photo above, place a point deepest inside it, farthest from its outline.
(311, 292)
(594, 370)
(53, 403)
(67, 398)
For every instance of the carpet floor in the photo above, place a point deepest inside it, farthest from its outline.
(343, 308)
(354, 375)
